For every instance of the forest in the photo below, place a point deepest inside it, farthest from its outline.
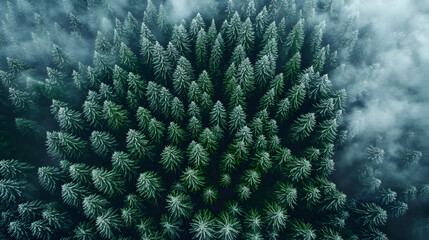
(213, 119)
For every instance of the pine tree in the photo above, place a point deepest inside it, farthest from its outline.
(127, 58)
(156, 130)
(245, 76)
(327, 131)
(177, 109)
(146, 49)
(194, 127)
(264, 70)
(180, 40)
(73, 193)
(205, 83)
(84, 231)
(41, 230)
(51, 178)
(237, 118)
(61, 59)
(143, 117)
(275, 216)
(228, 227)
(320, 87)
(161, 64)
(21, 100)
(125, 166)
(203, 225)
(201, 49)
(70, 120)
(171, 158)
(216, 55)
(60, 145)
(150, 14)
(108, 182)
(13, 169)
(293, 67)
(163, 23)
(192, 179)
(149, 185)
(261, 22)
(286, 195)
(370, 214)
(181, 81)
(302, 230)
(175, 134)
(108, 223)
(319, 60)
(197, 154)
(11, 191)
(179, 205)
(80, 173)
(295, 39)
(246, 36)
(137, 85)
(138, 145)
(116, 117)
(299, 168)
(102, 65)
(171, 227)
(303, 126)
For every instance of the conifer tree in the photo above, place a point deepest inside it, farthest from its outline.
(201, 49)
(51, 178)
(108, 223)
(303, 126)
(233, 30)
(227, 226)
(203, 225)
(12, 168)
(295, 39)
(171, 158)
(216, 55)
(116, 117)
(293, 67)
(179, 205)
(192, 179)
(138, 145)
(149, 185)
(60, 144)
(125, 166)
(108, 182)
(246, 36)
(180, 40)
(161, 63)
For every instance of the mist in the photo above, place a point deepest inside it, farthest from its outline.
(388, 94)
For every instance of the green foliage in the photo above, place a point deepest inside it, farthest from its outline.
(303, 126)
(14, 169)
(138, 145)
(11, 190)
(108, 223)
(203, 225)
(108, 182)
(179, 205)
(116, 117)
(171, 158)
(206, 133)
(149, 185)
(102, 143)
(51, 178)
(228, 226)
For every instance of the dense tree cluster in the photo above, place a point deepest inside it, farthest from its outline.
(200, 129)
